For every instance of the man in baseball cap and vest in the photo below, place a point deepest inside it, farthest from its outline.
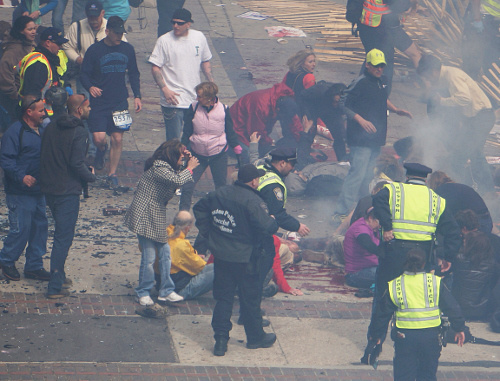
(38, 69)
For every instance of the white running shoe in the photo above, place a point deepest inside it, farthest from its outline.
(172, 298)
(145, 301)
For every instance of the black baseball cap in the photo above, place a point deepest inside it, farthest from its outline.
(93, 8)
(249, 172)
(53, 34)
(116, 24)
(182, 14)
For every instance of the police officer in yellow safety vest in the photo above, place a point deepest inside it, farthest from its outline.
(410, 215)
(416, 298)
(39, 69)
(273, 190)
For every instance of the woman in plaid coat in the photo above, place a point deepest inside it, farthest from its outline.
(147, 216)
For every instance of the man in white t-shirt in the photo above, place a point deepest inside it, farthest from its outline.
(177, 58)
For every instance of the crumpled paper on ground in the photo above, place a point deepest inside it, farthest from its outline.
(284, 31)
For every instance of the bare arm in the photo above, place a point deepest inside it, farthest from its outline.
(156, 71)
(398, 111)
(206, 68)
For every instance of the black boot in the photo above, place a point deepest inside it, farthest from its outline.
(220, 347)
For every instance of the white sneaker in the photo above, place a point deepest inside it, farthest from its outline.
(145, 301)
(172, 297)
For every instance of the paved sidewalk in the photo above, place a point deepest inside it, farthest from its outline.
(96, 333)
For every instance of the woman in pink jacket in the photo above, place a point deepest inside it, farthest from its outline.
(208, 130)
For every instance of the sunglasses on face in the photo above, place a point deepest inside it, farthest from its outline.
(32, 103)
(180, 23)
(84, 100)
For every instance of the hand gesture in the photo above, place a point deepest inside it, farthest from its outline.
(296, 292)
(137, 104)
(388, 236)
(95, 91)
(303, 230)
(29, 181)
(171, 96)
(192, 163)
(402, 112)
(460, 338)
(365, 124)
(255, 137)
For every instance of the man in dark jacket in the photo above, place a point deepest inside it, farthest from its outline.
(366, 103)
(235, 220)
(63, 171)
(20, 161)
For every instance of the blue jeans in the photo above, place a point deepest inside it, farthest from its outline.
(362, 279)
(65, 211)
(360, 174)
(174, 120)
(27, 226)
(146, 271)
(166, 9)
(199, 284)
(57, 14)
(218, 167)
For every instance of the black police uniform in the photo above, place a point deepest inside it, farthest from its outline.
(274, 196)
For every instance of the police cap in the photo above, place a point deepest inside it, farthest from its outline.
(416, 169)
(284, 153)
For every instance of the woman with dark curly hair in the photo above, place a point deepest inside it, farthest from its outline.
(19, 43)
(164, 173)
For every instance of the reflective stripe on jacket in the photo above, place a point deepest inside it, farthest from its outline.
(373, 11)
(417, 299)
(492, 7)
(271, 178)
(63, 65)
(415, 211)
(29, 60)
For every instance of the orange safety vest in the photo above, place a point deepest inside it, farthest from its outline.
(373, 11)
(29, 60)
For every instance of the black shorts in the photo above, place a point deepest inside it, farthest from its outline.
(102, 120)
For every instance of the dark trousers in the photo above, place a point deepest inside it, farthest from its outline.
(287, 110)
(166, 9)
(470, 140)
(245, 276)
(218, 167)
(65, 213)
(338, 134)
(416, 356)
(267, 261)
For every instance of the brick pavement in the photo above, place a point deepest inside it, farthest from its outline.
(125, 305)
(168, 372)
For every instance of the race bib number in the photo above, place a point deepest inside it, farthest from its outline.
(122, 120)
